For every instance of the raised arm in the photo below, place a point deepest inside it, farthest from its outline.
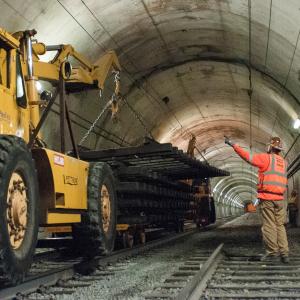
(260, 160)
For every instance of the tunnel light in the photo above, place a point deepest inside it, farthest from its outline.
(38, 86)
(297, 123)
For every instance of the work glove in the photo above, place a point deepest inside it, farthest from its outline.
(255, 202)
(228, 141)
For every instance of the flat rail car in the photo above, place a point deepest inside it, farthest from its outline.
(154, 190)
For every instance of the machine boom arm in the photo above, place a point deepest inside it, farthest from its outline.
(86, 74)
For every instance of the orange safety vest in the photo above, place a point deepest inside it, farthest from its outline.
(274, 179)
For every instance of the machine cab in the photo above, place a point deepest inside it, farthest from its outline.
(14, 115)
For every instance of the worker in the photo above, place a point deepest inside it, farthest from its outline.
(293, 208)
(272, 182)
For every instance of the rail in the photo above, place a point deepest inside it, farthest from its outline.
(70, 268)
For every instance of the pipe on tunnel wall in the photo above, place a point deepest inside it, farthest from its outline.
(294, 184)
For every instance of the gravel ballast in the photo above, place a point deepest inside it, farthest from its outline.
(136, 277)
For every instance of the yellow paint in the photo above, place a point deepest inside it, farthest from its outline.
(44, 70)
(14, 120)
(84, 72)
(69, 174)
(56, 218)
(9, 39)
(33, 98)
(39, 49)
(70, 178)
(122, 227)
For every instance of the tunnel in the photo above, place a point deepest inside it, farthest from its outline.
(202, 68)
(213, 70)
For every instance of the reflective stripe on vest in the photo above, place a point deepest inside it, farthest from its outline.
(250, 156)
(274, 183)
(272, 171)
(273, 180)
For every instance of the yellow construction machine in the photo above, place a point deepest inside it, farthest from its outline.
(39, 186)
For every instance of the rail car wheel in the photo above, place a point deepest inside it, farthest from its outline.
(128, 239)
(18, 207)
(179, 225)
(96, 233)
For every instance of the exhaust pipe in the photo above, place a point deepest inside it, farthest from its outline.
(32, 94)
(28, 34)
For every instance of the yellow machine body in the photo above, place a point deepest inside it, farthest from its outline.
(62, 185)
(62, 178)
(122, 227)
(14, 119)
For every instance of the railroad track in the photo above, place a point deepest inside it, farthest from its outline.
(246, 277)
(181, 284)
(213, 275)
(57, 275)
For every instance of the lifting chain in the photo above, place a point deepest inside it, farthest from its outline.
(138, 117)
(113, 103)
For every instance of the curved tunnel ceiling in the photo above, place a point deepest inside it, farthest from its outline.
(185, 71)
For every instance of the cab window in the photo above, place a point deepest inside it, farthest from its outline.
(20, 86)
(3, 67)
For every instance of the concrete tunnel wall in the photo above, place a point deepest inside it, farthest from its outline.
(195, 53)
(294, 183)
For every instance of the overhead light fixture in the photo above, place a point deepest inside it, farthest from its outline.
(38, 86)
(297, 123)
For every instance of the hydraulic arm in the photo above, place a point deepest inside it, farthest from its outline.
(83, 76)
(69, 70)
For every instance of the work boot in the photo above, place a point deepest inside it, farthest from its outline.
(285, 259)
(269, 258)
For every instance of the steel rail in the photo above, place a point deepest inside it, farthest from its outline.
(195, 287)
(241, 276)
(51, 277)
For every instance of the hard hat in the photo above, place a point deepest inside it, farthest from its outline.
(275, 143)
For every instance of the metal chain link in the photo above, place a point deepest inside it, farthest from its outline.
(95, 122)
(108, 104)
(113, 100)
(138, 117)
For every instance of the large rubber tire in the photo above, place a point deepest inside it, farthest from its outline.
(90, 236)
(15, 158)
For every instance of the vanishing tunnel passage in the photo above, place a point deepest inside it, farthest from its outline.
(207, 68)
(123, 122)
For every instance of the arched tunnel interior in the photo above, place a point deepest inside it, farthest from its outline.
(208, 68)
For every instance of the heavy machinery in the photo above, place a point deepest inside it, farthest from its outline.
(154, 188)
(203, 207)
(39, 186)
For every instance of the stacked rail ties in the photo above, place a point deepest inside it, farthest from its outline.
(152, 187)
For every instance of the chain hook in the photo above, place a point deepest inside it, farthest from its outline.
(115, 96)
(112, 104)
